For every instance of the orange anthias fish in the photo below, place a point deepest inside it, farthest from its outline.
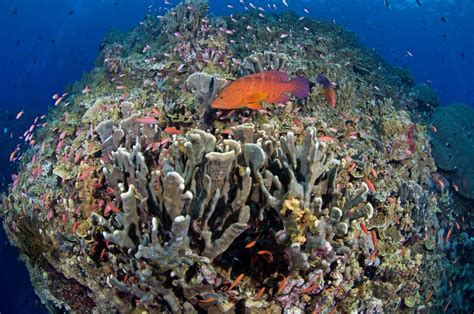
(251, 90)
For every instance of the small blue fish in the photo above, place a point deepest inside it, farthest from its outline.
(321, 79)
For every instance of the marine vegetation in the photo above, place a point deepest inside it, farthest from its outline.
(136, 195)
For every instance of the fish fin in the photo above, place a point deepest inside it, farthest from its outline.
(254, 106)
(299, 86)
(256, 97)
(282, 99)
(278, 75)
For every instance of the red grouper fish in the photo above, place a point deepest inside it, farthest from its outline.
(328, 91)
(251, 90)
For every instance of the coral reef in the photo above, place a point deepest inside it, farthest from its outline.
(425, 98)
(452, 142)
(138, 197)
(266, 61)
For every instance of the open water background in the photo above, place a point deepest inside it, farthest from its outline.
(47, 44)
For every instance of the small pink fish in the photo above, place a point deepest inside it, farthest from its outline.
(60, 145)
(19, 114)
(86, 174)
(74, 226)
(164, 141)
(146, 120)
(173, 130)
(441, 183)
(62, 135)
(58, 100)
(155, 111)
(326, 138)
(370, 185)
(107, 209)
(12, 155)
(146, 48)
(78, 156)
(49, 215)
(120, 87)
(86, 90)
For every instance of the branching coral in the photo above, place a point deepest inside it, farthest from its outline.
(266, 61)
(209, 192)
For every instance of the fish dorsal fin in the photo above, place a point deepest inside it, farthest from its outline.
(268, 75)
(256, 97)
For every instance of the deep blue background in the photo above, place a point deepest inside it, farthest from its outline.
(47, 44)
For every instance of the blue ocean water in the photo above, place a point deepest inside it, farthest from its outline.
(49, 44)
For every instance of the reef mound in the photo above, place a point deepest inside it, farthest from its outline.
(137, 196)
(453, 144)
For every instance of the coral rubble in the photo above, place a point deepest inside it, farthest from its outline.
(139, 197)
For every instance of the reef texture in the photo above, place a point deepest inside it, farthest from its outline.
(453, 144)
(425, 98)
(137, 197)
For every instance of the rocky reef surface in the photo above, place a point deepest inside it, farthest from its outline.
(453, 144)
(136, 196)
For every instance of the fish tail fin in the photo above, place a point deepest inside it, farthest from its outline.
(299, 87)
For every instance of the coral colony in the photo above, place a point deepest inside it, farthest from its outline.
(139, 197)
